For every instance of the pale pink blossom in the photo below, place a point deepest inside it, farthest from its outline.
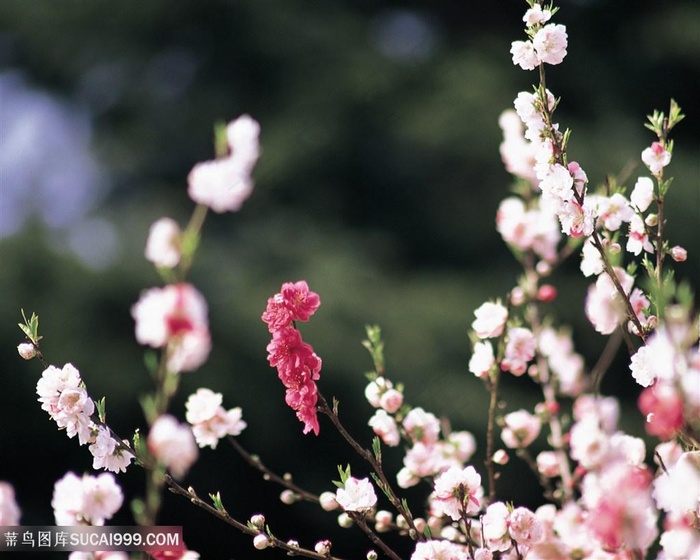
(420, 461)
(642, 193)
(422, 426)
(175, 317)
(524, 55)
(520, 428)
(391, 400)
(589, 443)
(524, 527)
(677, 490)
(63, 395)
(102, 498)
(536, 16)
(605, 411)
(680, 540)
(163, 246)
(638, 238)
(579, 176)
(591, 261)
(604, 306)
(224, 184)
(639, 365)
(482, 359)
(356, 495)
(90, 499)
(375, 389)
(550, 43)
(459, 492)
(210, 421)
(26, 350)
(614, 210)
(463, 445)
(173, 445)
(576, 220)
(520, 349)
(557, 184)
(494, 526)
(517, 153)
(656, 157)
(9, 510)
(438, 550)
(385, 427)
(107, 454)
(548, 464)
(490, 320)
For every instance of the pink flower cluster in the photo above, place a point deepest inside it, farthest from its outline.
(63, 395)
(547, 43)
(90, 500)
(224, 184)
(210, 421)
(174, 317)
(298, 366)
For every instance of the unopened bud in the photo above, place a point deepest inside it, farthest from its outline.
(292, 543)
(258, 520)
(288, 497)
(614, 248)
(382, 521)
(678, 254)
(323, 547)
(327, 501)
(372, 555)
(500, 457)
(344, 520)
(651, 220)
(261, 541)
(543, 268)
(546, 293)
(517, 296)
(27, 350)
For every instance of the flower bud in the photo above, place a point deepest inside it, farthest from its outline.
(344, 520)
(27, 350)
(323, 547)
(678, 254)
(291, 543)
(382, 521)
(261, 541)
(258, 520)
(327, 501)
(372, 555)
(651, 220)
(546, 293)
(288, 497)
(500, 457)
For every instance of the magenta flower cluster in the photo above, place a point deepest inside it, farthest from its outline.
(297, 364)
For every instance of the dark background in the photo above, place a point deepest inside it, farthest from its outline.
(378, 184)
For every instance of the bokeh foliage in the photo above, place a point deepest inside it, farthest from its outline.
(378, 184)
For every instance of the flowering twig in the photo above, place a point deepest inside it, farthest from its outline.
(374, 462)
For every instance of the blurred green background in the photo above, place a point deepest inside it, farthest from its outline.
(378, 184)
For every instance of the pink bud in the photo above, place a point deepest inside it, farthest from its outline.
(27, 350)
(679, 254)
(546, 293)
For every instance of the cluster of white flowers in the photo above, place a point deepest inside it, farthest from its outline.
(63, 395)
